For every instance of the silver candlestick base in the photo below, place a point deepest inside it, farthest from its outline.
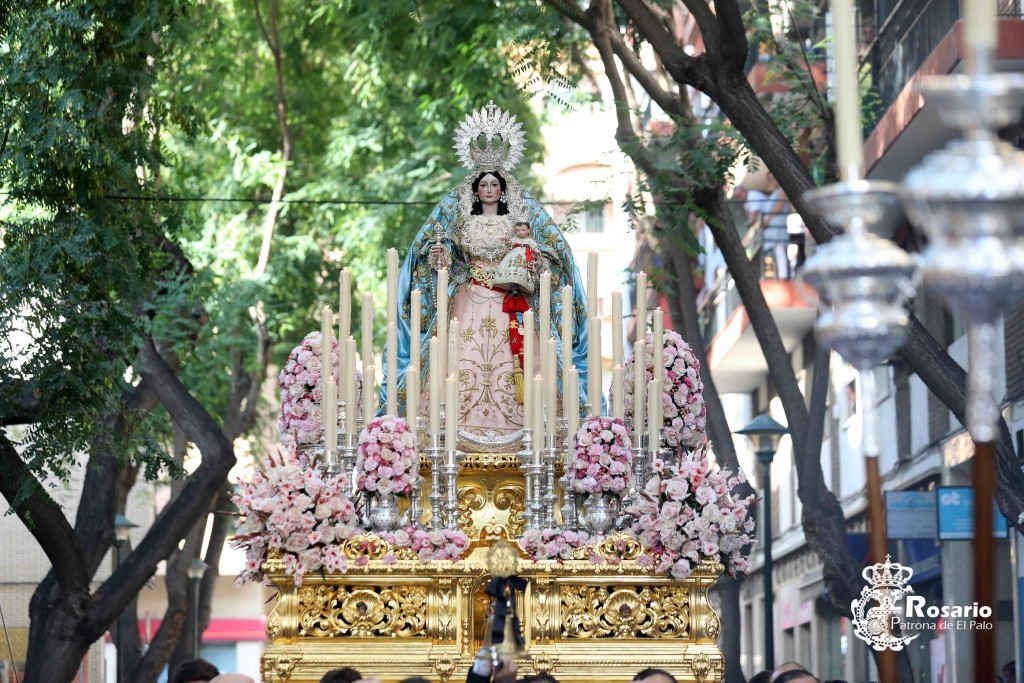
(435, 455)
(347, 453)
(550, 497)
(451, 470)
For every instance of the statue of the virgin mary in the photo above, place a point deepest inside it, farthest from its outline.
(470, 232)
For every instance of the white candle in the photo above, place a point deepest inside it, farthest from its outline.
(618, 406)
(344, 305)
(415, 311)
(367, 349)
(566, 331)
(528, 336)
(538, 418)
(392, 285)
(455, 348)
(412, 394)
(369, 398)
(451, 418)
(595, 405)
(639, 382)
(435, 388)
(641, 306)
(616, 328)
(326, 342)
(592, 283)
(545, 306)
(392, 389)
(654, 426)
(551, 387)
(442, 320)
(658, 342)
(573, 412)
(849, 137)
(350, 385)
(980, 24)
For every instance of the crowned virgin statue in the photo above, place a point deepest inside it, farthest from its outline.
(470, 232)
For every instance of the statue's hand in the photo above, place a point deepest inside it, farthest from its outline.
(439, 257)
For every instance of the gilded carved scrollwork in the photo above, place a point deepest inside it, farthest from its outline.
(273, 625)
(512, 498)
(362, 612)
(624, 612)
(471, 499)
(446, 610)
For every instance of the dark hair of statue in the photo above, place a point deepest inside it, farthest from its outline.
(478, 208)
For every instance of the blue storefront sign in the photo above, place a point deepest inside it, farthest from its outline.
(956, 515)
(910, 515)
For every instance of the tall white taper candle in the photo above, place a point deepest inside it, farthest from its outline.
(544, 322)
(566, 331)
(415, 313)
(592, 284)
(435, 387)
(849, 136)
(538, 417)
(618, 406)
(551, 387)
(326, 342)
(451, 418)
(369, 395)
(344, 305)
(442, 320)
(392, 257)
(654, 426)
(639, 384)
(617, 347)
(351, 396)
(412, 394)
(392, 388)
(641, 306)
(528, 371)
(595, 404)
(573, 412)
(658, 341)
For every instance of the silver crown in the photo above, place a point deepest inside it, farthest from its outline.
(891, 574)
(504, 140)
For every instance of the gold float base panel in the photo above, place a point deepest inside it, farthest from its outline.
(582, 621)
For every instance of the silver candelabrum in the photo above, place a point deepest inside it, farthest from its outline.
(533, 475)
(435, 454)
(864, 281)
(969, 199)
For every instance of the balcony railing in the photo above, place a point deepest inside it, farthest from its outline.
(907, 34)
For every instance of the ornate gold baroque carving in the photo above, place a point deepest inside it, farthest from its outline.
(624, 612)
(362, 612)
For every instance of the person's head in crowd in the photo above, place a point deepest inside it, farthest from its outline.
(194, 671)
(343, 675)
(1008, 674)
(786, 667)
(539, 678)
(414, 679)
(760, 677)
(795, 676)
(231, 678)
(654, 676)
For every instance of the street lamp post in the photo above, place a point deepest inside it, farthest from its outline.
(196, 569)
(122, 531)
(766, 433)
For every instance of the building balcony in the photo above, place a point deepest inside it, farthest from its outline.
(734, 354)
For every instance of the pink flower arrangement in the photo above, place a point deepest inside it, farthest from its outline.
(297, 512)
(683, 409)
(386, 459)
(687, 513)
(603, 461)
(301, 383)
(552, 544)
(437, 544)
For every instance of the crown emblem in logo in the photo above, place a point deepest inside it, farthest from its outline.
(490, 138)
(888, 575)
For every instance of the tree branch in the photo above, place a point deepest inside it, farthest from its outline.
(570, 11)
(707, 22)
(676, 61)
(733, 34)
(174, 521)
(43, 518)
(669, 103)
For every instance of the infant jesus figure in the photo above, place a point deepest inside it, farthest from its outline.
(518, 270)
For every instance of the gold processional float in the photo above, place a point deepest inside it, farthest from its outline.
(391, 542)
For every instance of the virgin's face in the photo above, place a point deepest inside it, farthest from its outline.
(489, 190)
